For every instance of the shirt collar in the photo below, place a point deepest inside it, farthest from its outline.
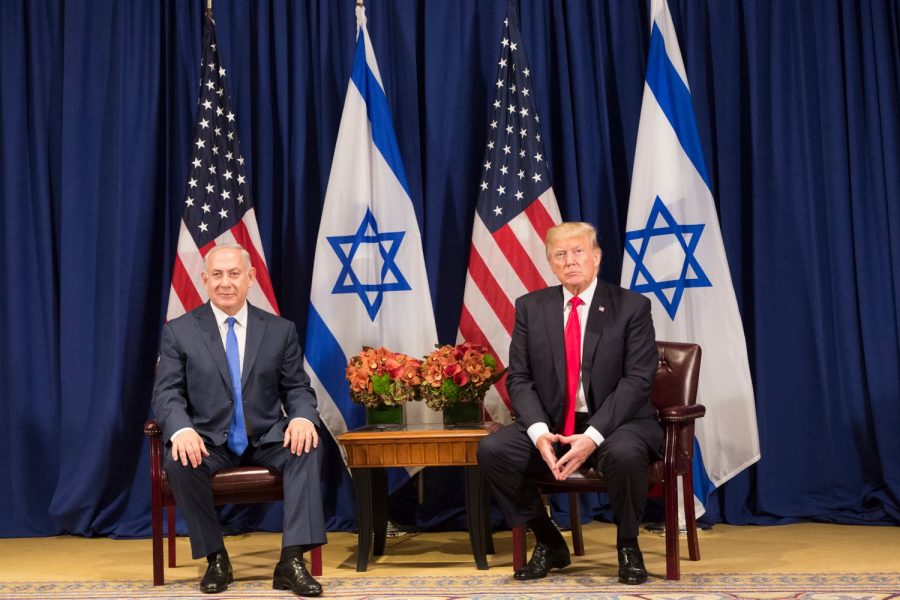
(221, 315)
(586, 296)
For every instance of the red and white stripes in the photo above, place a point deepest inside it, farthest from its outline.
(503, 266)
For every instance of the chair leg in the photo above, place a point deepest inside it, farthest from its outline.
(575, 520)
(156, 506)
(690, 518)
(156, 528)
(170, 509)
(670, 496)
(315, 558)
(673, 567)
(519, 537)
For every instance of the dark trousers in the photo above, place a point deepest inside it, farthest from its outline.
(304, 521)
(510, 462)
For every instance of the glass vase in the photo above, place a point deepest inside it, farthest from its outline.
(384, 417)
(464, 415)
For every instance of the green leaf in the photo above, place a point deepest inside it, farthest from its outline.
(381, 383)
(449, 389)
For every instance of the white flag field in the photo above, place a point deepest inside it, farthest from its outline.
(674, 255)
(369, 286)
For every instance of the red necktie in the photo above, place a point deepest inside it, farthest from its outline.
(573, 364)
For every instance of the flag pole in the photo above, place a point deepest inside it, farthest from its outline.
(209, 8)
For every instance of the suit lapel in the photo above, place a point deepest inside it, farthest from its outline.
(212, 337)
(596, 320)
(256, 327)
(553, 316)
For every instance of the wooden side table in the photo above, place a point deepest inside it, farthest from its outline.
(370, 451)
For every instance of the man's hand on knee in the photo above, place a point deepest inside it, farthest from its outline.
(301, 436)
(188, 447)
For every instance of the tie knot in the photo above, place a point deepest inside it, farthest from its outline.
(231, 321)
(575, 302)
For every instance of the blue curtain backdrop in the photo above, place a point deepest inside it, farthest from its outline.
(799, 110)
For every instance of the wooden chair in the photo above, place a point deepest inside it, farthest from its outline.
(242, 485)
(674, 395)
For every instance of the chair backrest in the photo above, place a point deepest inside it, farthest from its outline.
(676, 376)
(676, 385)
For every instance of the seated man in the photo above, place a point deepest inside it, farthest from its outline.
(581, 396)
(230, 390)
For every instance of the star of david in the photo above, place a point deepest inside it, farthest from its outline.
(669, 292)
(390, 279)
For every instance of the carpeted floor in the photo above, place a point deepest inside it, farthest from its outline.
(807, 561)
(813, 586)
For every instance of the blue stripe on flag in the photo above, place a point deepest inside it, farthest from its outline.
(674, 98)
(378, 112)
(703, 487)
(327, 361)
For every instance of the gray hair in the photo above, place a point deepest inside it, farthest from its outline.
(238, 247)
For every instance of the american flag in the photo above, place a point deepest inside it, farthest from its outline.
(218, 208)
(516, 206)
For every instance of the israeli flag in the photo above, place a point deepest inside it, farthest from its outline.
(369, 286)
(675, 256)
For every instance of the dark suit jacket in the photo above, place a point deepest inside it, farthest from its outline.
(193, 385)
(618, 362)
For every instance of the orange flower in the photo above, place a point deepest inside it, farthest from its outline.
(378, 377)
(461, 373)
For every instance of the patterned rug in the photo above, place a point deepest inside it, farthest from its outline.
(806, 586)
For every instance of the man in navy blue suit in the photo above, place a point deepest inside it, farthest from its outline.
(581, 363)
(230, 390)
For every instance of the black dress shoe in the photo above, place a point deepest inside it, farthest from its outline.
(542, 560)
(218, 575)
(631, 566)
(291, 574)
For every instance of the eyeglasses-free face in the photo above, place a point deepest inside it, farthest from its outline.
(574, 262)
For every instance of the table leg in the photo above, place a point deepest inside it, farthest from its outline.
(362, 479)
(379, 509)
(476, 514)
(486, 507)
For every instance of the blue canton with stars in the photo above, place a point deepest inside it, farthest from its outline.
(348, 281)
(688, 236)
(515, 172)
(218, 194)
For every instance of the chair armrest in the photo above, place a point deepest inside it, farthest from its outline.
(680, 414)
(152, 429)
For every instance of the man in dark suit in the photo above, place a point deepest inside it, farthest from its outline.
(581, 362)
(230, 390)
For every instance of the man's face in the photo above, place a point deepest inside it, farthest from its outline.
(574, 262)
(227, 280)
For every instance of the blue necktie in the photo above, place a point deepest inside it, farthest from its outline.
(237, 434)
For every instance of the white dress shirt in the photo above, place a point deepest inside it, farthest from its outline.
(587, 296)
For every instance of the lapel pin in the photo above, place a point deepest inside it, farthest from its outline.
(601, 308)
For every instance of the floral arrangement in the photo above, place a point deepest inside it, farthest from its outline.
(452, 374)
(379, 377)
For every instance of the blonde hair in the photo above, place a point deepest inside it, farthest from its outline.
(570, 229)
